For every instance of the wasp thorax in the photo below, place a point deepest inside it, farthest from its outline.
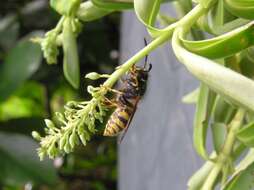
(133, 88)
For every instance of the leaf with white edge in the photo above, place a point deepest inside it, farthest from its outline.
(235, 87)
(223, 45)
(147, 11)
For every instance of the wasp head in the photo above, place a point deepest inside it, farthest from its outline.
(142, 77)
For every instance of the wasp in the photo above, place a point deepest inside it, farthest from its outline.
(126, 101)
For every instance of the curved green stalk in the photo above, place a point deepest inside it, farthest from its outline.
(226, 152)
(189, 18)
(139, 55)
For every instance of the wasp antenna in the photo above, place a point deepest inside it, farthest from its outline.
(145, 41)
(150, 67)
(146, 57)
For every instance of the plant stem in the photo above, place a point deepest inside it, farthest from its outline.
(226, 151)
(166, 34)
(139, 55)
(59, 25)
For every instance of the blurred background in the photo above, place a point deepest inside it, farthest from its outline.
(157, 151)
(31, 90)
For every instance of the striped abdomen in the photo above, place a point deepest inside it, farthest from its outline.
(118, 121)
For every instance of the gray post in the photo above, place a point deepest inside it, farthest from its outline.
(157, 152)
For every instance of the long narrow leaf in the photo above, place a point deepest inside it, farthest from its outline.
(147, 11)
(71, 60)
(224, 45)
(201, 121)
(20, 63)
(88, 12)
(229, 84)
(112, 5)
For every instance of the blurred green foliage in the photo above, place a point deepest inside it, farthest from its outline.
(31, 90)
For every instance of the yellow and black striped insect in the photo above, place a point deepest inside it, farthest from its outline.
(133, 88)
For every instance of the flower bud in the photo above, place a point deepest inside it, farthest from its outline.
(93, 76)
(36, 135)
(49, 124)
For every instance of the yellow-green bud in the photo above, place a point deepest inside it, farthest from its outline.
(49, 123)
(36, 135)
(83, 139)
(62, 143)
(90, 89)
(93, 76)
(73, 139)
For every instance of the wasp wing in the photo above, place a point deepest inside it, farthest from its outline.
(129, 121)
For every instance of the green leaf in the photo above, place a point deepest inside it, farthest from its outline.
(88, 12)
(205, 3)
(192, 97)
(30, 100)
(247, 62)
(235, 87)
(214, 19)
(65, 7)
(246, 135)
(147, 11)
(243, 8)
(20, 63)
(224, 45)
(113, 4)
(223, 112)
(243, 175)
(201, 121)
(9, 31)
(71, 60)
(219, 131)
(197, 179)
(62, 94)
(218, 14)
(20, 164)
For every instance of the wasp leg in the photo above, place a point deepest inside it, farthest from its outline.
(110, 103)
(114, 90)
(135, 82)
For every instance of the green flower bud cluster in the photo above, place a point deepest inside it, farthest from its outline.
(49, 47)
(64, 35)
(78, 124)
(53, 40)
